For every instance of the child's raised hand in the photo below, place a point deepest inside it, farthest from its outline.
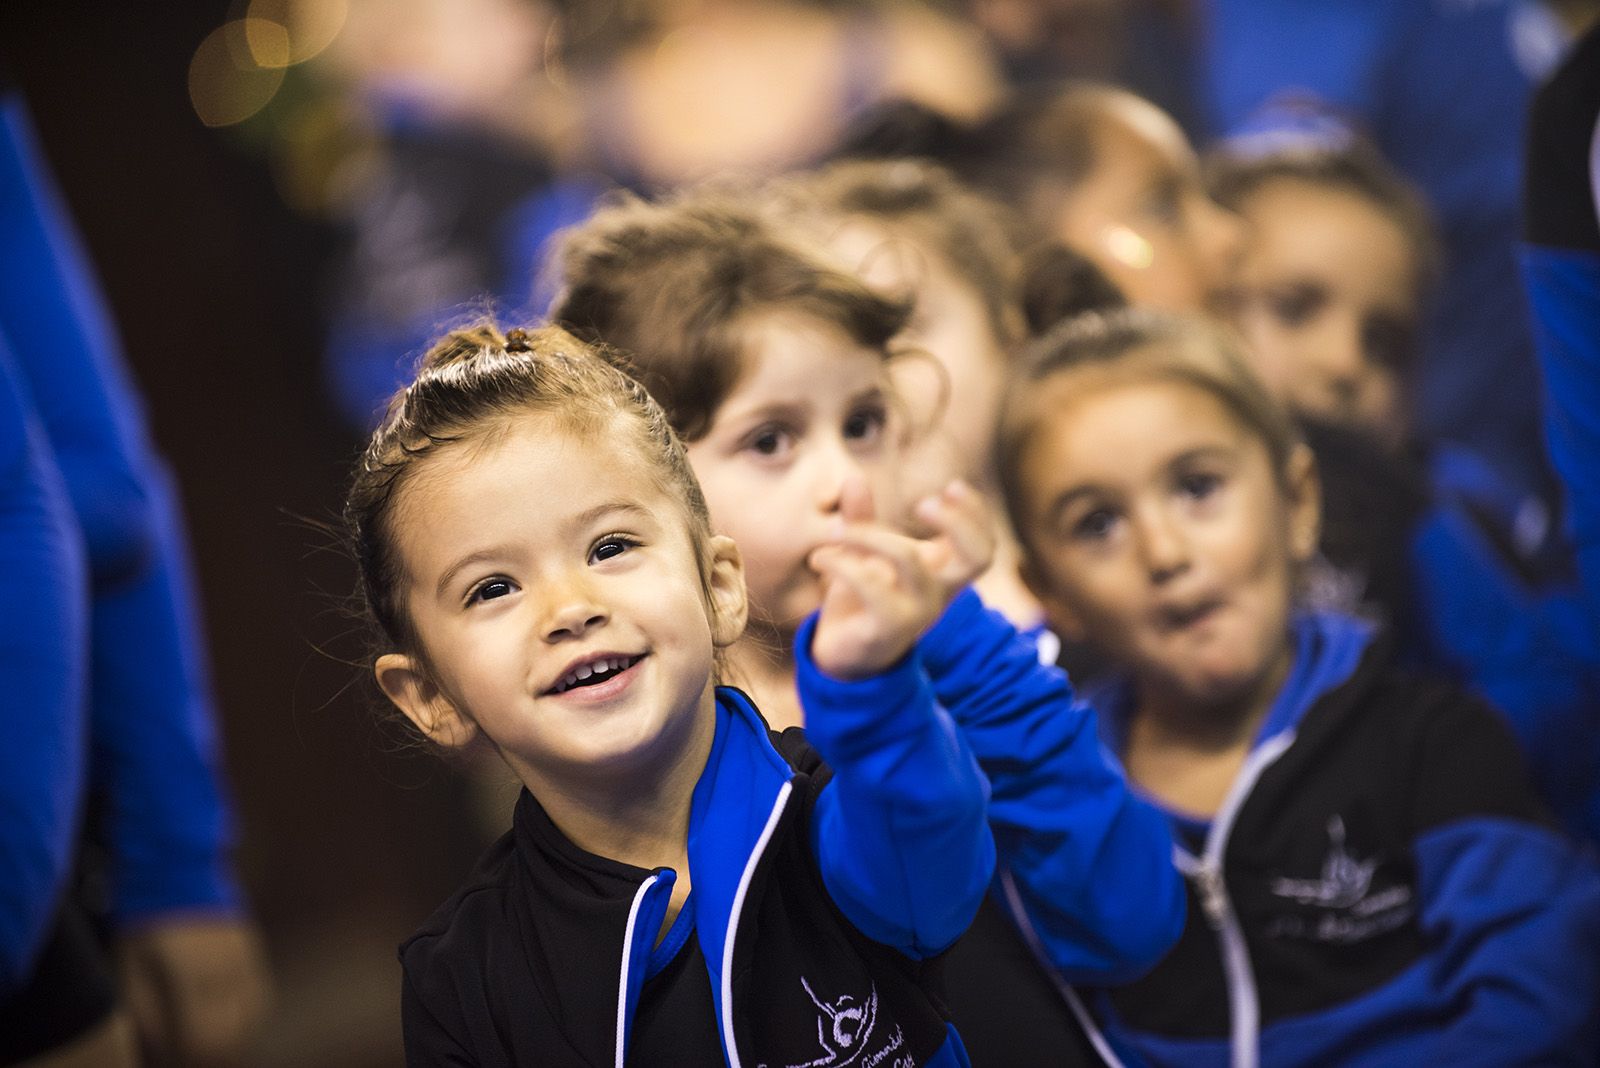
(882, 589)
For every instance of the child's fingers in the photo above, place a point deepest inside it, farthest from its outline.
(961, 519)
(894, 550)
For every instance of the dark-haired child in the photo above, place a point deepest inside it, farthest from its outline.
(1371, 879)
(1113, 177)
(913, 233)
(773, 365)
(1333, 290)
(680, 885)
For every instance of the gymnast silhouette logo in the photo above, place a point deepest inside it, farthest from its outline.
(844, 1027)
(1345, 880)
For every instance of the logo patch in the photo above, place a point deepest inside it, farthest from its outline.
(1350, 910)
(847, 1035)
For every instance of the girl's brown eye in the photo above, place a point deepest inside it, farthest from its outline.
(865, 423)
(1295, 305)
(610, 547)
(1200, 485)
(1095, 526)
(490, 590)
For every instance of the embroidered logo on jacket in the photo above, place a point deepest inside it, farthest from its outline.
(845, 1033)
(1351, 911)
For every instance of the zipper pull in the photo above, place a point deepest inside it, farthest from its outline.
(1208, 880)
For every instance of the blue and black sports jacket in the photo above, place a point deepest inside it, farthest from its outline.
(821, 892)
(1380, 886)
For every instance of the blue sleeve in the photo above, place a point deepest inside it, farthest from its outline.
(43, 630)
(1509, 907)
(1564, 289)
(153, 768)
(155, 762)
(1512, 914)
(1526, 651)
(1089, 863)
(64, 342)
(899, 832)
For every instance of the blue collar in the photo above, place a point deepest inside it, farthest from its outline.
(1328, 646)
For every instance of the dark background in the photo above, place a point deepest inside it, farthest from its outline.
(345, 845)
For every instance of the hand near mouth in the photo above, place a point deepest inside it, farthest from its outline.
(883, 589)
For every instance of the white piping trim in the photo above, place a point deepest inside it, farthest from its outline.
(733, 921)
(1594, 165)
(1244, 1001)
(1030, 935)
(627, 958)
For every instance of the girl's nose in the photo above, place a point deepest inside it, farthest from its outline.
(1164, 547)
(1339, 365)
(838, 471)
(571, 611)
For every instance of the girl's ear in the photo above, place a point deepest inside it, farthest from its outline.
(1303, 490)
(1066, 623)
(408, 684)
(730, 605)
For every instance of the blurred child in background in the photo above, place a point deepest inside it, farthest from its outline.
(911, 231)
(1113, 177)
(1333, 292)
(1370, 875)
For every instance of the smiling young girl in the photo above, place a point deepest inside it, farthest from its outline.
(774, 366)
(1371, 880)
(680, 885)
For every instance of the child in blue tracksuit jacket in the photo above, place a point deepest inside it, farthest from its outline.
(1371, 878)
(680, 884)
(1390, 69)
(1332, 290)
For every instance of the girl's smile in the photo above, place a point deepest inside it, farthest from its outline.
(597, 678)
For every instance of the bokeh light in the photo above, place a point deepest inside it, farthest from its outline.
(227, 84)
(310, 25)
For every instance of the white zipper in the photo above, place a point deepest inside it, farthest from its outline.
(733, 921)
(627, 960)
(1244, 1003)
(1030, 934)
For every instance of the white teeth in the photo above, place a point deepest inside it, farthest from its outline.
(604, 666)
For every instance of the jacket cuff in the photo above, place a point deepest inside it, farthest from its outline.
(851, 712)
(951, 636)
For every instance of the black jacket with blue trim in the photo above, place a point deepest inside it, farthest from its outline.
(1380, 887)
(819, 898)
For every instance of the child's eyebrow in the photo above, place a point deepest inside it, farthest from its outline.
(630, 508)
(789, 410)
(467, 561)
